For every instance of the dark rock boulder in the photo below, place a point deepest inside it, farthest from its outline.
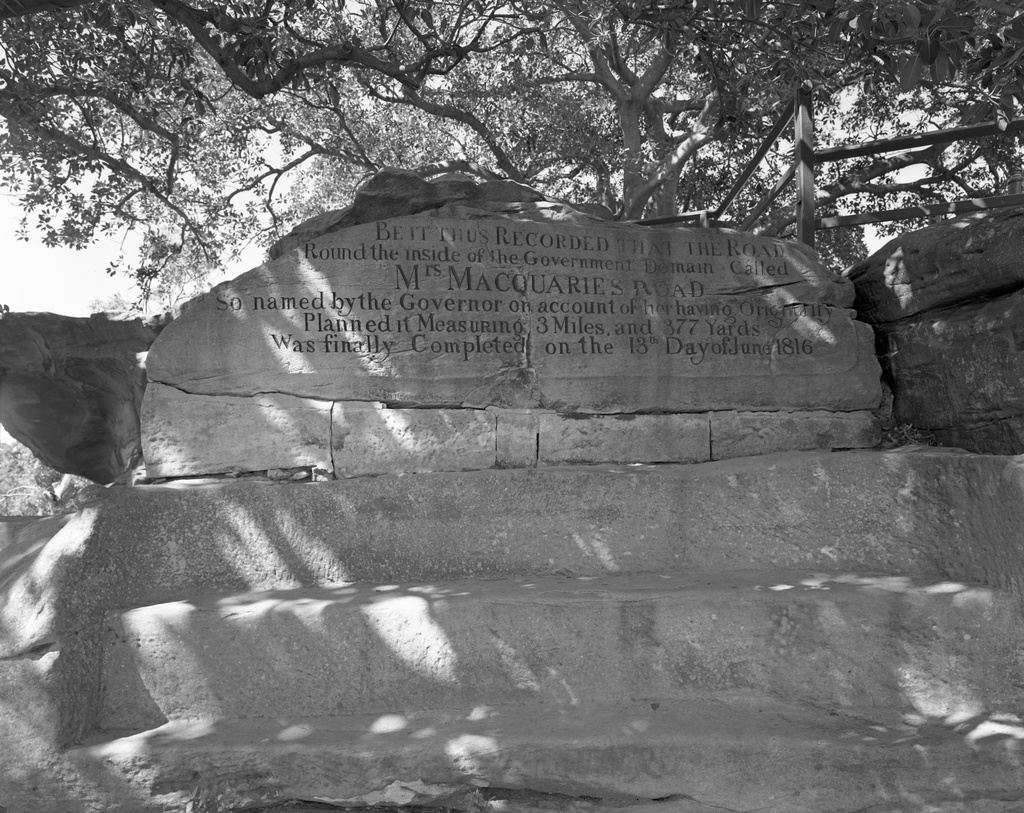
(964, 260)
(947, 303)
(71, 389)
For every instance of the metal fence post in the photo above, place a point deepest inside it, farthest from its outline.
(803, 158)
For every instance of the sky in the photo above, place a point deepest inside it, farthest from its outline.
(58, 280)
(34, 277)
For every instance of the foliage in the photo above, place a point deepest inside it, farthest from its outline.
(26, 484)
(206, 126)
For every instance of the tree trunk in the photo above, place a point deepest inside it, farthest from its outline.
(633, 164)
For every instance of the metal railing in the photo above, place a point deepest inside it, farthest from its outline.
(806, 159)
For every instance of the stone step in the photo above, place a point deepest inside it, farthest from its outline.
(935, 513)
(694, 756)
(840, 642)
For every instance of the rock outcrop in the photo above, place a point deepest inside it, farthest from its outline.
(623, 638)
(71, 389)
(947, 303)
(433, 325)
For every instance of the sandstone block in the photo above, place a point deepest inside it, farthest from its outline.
(210, 434)
(942, 265)
(624, 439)
(947, 301)
(71, 389)
(743, 434)
(997, 437)
(371, 439)
(961, 369)
(517, 437)
(484, 309)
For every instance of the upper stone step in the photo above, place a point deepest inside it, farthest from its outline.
(936, 514)
(878, 645)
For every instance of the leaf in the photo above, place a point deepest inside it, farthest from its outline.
(911, 16)
(910, 73)
(960, 24)
(940, 68)
(1002, 119)
(929, 49)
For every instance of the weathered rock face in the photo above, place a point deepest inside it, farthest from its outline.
(948, 307)
(491, 298)
(398, 193)
(945, 265)
(470, 309)
(250, 643)
(71, 389)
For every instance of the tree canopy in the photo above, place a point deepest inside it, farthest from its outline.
(208, 125)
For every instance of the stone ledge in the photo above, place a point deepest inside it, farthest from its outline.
(736, 753)
(937, 514)
(682, 438)
(208, 434)
(354, 438)
(368, 438)
(745, 434)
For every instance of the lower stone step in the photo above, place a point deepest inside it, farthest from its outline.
(734, 753)
(839, 641)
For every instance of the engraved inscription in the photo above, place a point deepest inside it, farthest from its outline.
(507, 289)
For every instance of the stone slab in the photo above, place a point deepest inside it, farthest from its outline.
(372, 439)
(999, 436)
(943, 265)
(742, 434)
(731, 754)
(961, 368)
(938, 514)
(186, 434)
(356, 649)
(572, 439)
(931, 513)
(484, 310)
(518, 437)
(928, 511)
(71, 389)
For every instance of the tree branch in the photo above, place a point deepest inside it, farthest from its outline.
(346, 52)
(461, 116)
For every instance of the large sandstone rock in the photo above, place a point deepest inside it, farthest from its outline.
(956, 261)
(468, 308)
(453, 295)
(71, 389)
(946, 303)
